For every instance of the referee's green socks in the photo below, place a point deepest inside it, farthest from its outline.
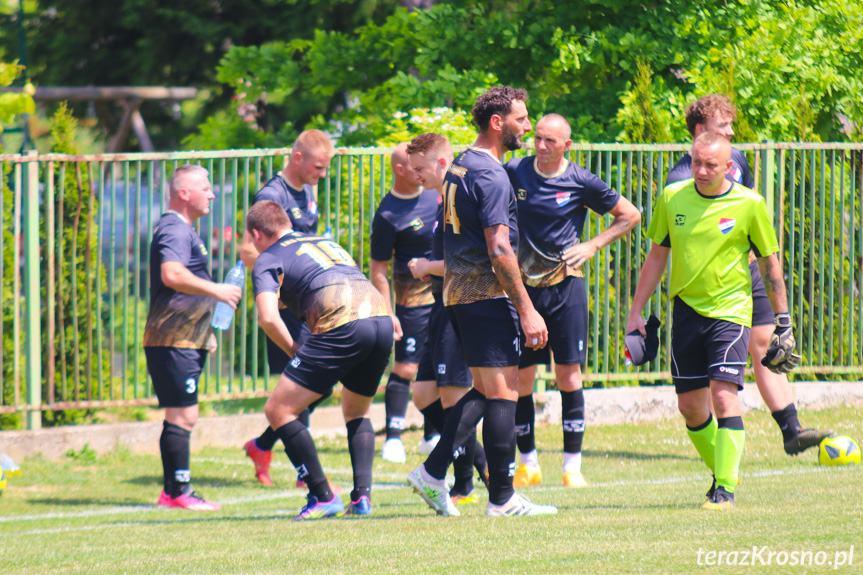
(703, 438)
(730, 438)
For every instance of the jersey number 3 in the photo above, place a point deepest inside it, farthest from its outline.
(327, 254)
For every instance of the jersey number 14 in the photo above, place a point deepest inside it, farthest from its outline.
(449, 215)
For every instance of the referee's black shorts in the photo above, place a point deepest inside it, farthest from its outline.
(704, 349)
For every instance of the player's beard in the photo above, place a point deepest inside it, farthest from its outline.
(510, 141)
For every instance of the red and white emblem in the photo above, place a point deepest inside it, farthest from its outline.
(725, 224)
(562, 198)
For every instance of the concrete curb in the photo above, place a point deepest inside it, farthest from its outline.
(604, 406)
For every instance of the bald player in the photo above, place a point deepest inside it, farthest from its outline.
(708, 225)
(716, 113)
(402, 230)
(554, 196)
(178, 335)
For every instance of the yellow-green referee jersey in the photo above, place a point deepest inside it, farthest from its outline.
(710, 239)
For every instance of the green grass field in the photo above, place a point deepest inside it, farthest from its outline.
(640, 514)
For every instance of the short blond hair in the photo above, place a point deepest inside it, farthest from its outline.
(314, 142)
(180, 172)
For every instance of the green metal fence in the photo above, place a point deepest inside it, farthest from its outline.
(75, 262)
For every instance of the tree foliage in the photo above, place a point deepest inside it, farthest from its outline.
(791, 65)
(162, 43)
(14, 104)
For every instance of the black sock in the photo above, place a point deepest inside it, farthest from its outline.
(174, 445)
(432, 419)
(525, 415)
(480, 461)
(460, 422)
(267, 439)
(734, 422)
(303, 417)
(361, 445)
(572, 406)
(463, 468)
(396, 398)
(787, 420)
(301, 450)
(498, 437)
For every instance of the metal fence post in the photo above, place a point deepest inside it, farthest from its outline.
(33, 301)
(768, 172)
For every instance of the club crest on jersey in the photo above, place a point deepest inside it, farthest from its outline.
(726, 224)
(521, 195)
(736, 174)
(562, 198)
(679, 219)
(296, 213)
(416, 223)
(313, 208)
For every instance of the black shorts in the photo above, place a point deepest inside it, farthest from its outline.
(704, 348)
(175, 372)
(415, 321)
(277, 359)
(443, 360)
(563, 306)
(356, 354)
(488, 331)
(424, 369)
(762, 311)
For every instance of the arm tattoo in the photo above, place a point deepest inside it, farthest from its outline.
(506, 269)
(774, 285)
(618, 228)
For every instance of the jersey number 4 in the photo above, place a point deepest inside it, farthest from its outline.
(327, 254)
(449, 215)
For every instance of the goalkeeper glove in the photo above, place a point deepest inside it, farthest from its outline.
(780, 356)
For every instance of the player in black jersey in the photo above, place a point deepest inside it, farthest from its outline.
(177, 335)
(554, 196)
(484, 293)
(351, 338)
(295, 188)
(443, 377)
(716, 113)
(402, 230)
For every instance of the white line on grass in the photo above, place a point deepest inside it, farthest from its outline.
(288, 493)
(187, 519)
(328, 470)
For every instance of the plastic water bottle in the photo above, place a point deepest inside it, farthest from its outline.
(223, 314)
(329, 233)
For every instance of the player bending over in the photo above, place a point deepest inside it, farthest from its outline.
(350, 341)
